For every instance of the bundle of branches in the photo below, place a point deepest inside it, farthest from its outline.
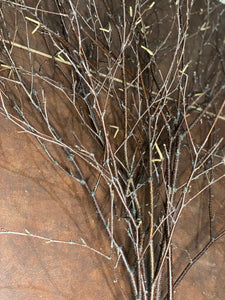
(140, 86)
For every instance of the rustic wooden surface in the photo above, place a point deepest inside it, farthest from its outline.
(38, 197)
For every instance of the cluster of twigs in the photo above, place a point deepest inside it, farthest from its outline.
(132, 95)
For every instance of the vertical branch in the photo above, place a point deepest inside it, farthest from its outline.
(151, 203)
(123, 49)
